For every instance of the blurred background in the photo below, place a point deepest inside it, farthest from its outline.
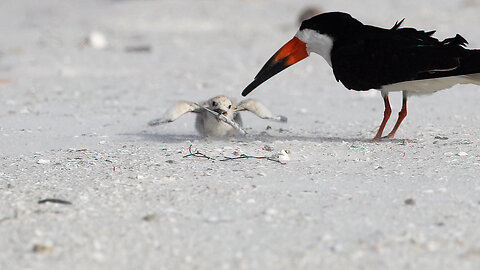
(70, 68)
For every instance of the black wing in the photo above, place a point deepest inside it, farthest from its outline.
(375, 57)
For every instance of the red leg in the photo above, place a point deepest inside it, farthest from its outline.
(386, 116)
(401, 115)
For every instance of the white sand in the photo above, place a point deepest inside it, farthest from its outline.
(73, 127)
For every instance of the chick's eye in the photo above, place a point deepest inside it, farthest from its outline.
(230, 106)
(214, 104)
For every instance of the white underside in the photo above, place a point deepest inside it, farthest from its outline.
(429, 86)
(208, 125)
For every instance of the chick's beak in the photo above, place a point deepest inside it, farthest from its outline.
(220, 111)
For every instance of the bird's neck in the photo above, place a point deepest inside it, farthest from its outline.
(318, 43)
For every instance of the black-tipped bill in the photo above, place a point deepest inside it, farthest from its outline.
(292, 52)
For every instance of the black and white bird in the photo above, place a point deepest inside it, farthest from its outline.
(365, 57)
(208, 122)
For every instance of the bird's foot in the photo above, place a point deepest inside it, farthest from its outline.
(380, 138)
(390, 136)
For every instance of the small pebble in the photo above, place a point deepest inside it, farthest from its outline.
(268, 148)
(271, 212)
(213, 219)
(462, 154)
(410, 201)
(442, 189)
(96, 40)
(303, 111)
(138, 49)
(251, 201)
(43, 161)
(150, 217)
(432, 246)
(24, 110)
(38, 248)
(336, 248)
(284, 155)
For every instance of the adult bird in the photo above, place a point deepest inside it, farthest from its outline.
(365, 57)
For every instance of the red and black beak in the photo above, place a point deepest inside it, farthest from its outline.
(292, 52)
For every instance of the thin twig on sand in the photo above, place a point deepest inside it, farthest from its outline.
(196, 153)
(243, 156)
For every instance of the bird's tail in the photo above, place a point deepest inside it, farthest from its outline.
(471, 67)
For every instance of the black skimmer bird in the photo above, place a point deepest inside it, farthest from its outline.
(365, 57)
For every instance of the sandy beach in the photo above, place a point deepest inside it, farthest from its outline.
(85, 183)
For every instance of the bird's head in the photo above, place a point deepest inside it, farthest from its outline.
(222, 105)
(316, 34)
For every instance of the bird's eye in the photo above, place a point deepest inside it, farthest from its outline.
(214, 104)
(230, 106)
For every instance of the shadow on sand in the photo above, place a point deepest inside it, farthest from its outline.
(263, 137)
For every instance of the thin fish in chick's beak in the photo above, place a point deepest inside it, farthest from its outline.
(292, 52)
(220, 111)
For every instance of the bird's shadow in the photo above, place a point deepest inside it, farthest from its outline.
(263, 137)
(165, 138)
